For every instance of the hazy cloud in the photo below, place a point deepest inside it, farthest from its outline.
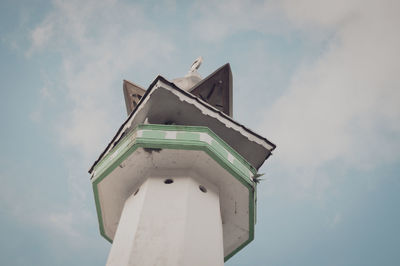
(97, 40)
(213, 21)
(345, 106)
(41, 35)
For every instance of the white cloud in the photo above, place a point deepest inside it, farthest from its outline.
(345, 106)
(23, 201)
(322, 13)
(45, 93)
(97, 41)
(214, 21)
(41, 35)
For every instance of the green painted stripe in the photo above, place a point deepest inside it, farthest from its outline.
(188, 136)
(219, 148)
(240, 166)
(153, 134)
(126, 142)
(199, 129)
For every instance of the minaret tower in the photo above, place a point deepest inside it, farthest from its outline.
(176, 186)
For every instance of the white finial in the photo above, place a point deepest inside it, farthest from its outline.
(192, 77)
(196, 64)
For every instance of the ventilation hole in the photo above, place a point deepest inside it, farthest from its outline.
(168, 181)
(203, 189)
(137, 190)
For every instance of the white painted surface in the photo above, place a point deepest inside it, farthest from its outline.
(170, 224)
(117, 187)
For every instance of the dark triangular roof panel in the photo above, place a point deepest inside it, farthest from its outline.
(216, 89)
(132, 94)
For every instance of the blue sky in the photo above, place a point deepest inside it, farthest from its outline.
(318, 78)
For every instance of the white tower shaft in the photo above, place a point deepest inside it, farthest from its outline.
(168, 223)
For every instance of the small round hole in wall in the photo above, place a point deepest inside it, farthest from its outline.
(137, 190)
(203, 189)
(168, 181)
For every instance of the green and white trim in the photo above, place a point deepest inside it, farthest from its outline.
(176, 137)
(183, 138)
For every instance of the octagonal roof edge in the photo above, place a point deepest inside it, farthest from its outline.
(159, 79)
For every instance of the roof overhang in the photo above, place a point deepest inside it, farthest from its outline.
(165, 103)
